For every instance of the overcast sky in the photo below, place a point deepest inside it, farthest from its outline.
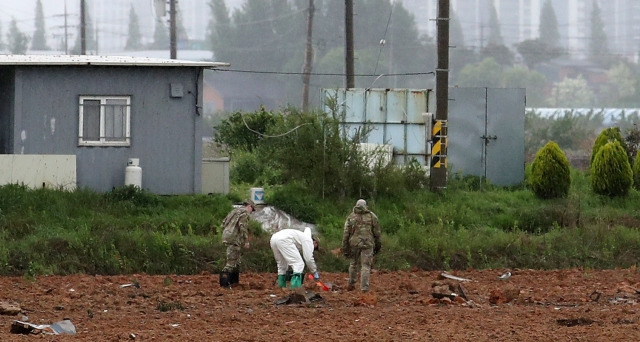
(111, 32)
(24, 12)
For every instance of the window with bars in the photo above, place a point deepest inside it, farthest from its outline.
(105, 121)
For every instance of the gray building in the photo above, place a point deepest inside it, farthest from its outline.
(104, 111)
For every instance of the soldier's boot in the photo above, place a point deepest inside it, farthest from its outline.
(234, 277)
(296, 280)
(225, 279)
(282, 280)
(351, 287)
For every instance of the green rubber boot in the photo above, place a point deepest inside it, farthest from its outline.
(296, 280)
(282, 281)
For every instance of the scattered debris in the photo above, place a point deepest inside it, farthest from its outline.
(623, 321)
(9, 309)
(575, 321)
(623, 300)
(444, 289)
(452, 277)
(505, 276)
(136, 285)
(62, 327)
(300, 298)
(595, 295)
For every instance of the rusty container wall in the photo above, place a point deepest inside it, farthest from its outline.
(393, 115)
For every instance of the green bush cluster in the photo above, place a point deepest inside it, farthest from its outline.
(605, 136)
(550, 175)
(611, 173)
(313, 150)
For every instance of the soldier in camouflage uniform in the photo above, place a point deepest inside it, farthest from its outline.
(360, 242)
(234, 236)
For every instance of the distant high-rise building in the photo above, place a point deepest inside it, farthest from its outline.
(520, 20)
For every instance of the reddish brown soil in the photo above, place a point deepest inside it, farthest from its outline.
(563, 305)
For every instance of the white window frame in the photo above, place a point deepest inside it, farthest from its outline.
(104, 140)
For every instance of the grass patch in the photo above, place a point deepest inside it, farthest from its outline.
(465, 226)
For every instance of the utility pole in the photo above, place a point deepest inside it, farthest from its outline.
(64, 42)
(348, 27)
(308, 61)
(83, 29)
(172, 29)
(440, 135)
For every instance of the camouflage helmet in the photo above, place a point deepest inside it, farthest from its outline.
(361, 204)
(248, 201)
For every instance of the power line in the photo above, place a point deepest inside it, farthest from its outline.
(325, 74)
(384, 36)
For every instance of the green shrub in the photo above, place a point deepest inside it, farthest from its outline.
(244, 131)
(246, 168)
(133, 194)
(550, 174)
(611, 173)
(607, 135)
(636, 172)
(296, 200)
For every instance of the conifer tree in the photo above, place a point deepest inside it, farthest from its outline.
(160, 36)
(17, 41)
(1, 38)
(457, 35)
(598, 48)
(39, 41)
(548, 28)
(134, 40)
(495, 36)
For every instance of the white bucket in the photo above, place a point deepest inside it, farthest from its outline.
(257, 195)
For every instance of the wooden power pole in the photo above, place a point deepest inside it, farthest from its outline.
(308, 61)
(172, 29)
(83, 29)
(440, 127)
(348, 27)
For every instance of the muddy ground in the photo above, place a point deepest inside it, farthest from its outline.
(562, 305)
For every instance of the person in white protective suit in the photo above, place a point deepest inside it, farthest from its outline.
(286, 245)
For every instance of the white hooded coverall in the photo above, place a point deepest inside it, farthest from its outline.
(286, 245)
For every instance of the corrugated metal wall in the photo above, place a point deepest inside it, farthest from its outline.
(395, 116)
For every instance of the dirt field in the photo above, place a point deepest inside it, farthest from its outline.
(564, 305)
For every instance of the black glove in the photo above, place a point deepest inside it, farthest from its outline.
(376, 250)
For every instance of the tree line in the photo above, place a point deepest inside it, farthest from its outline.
(268, 37)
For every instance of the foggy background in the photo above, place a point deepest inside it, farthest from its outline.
(566, 53)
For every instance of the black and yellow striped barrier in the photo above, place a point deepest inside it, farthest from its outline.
(439, 144)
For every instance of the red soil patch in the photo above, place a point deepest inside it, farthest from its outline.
(562, 305)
